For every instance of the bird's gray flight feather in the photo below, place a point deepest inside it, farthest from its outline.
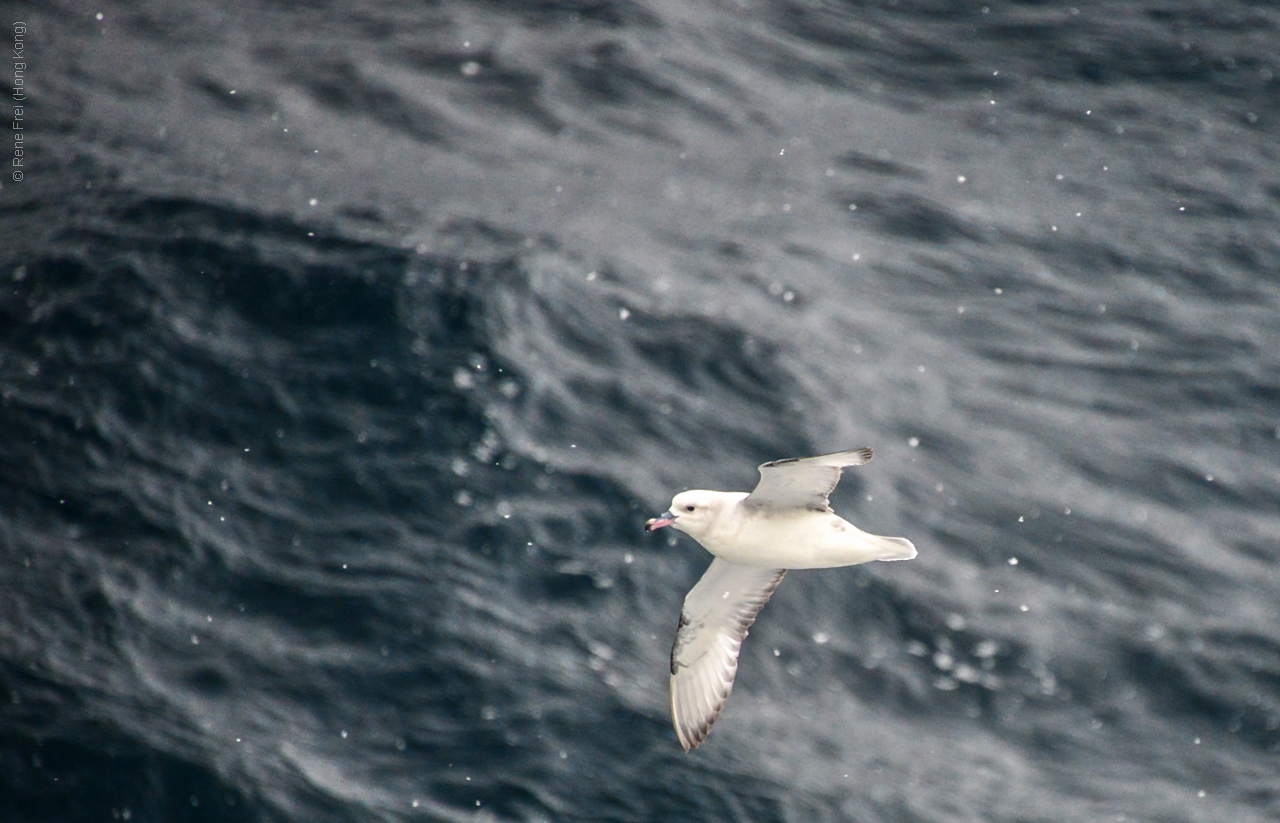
(802, 482)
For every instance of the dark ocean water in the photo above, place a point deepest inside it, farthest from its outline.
(345, 348)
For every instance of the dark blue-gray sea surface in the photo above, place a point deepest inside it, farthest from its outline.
(345, 348)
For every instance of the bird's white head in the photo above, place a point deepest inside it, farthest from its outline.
(692, 512)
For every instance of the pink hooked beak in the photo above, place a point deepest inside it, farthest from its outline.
(655, 523)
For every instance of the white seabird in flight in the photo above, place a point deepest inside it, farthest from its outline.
(785, 523)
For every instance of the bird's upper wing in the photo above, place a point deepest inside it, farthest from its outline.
(802, 482)
(713, 623)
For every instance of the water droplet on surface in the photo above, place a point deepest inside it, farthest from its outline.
(986, 649)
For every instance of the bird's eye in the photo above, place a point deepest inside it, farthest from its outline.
(689, 508)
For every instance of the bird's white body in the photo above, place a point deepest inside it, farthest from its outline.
(784, 538)
(785, 523)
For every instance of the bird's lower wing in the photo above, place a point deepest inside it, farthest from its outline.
(717, 613)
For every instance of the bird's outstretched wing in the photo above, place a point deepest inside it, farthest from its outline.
(802, 482)
(704, 659)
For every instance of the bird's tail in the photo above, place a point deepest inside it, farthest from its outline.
(894, 548)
